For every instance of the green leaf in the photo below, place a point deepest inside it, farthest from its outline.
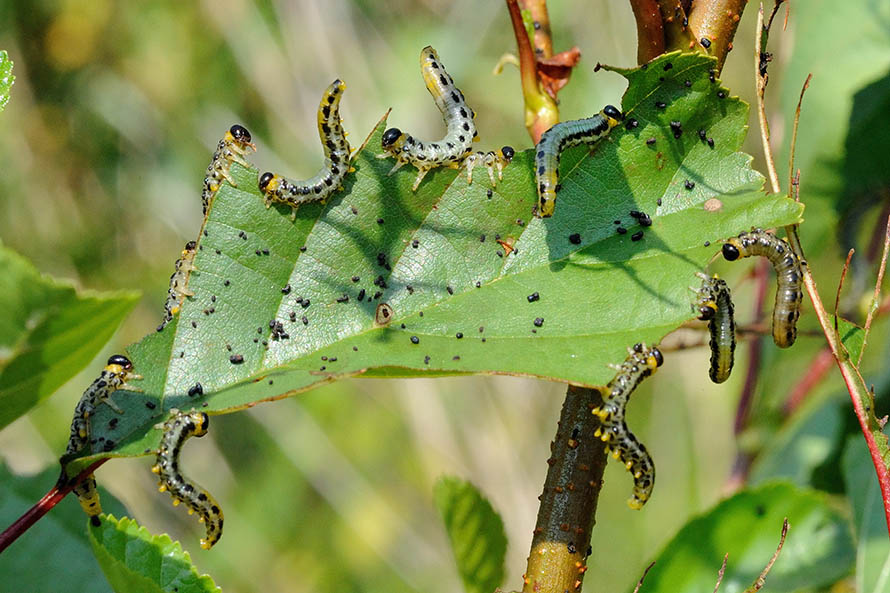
(48, 332)
(818, 550)
(6, 78)
(476, 533)
(56, 545)
(424, 254)
(135, 561)
(873, 547)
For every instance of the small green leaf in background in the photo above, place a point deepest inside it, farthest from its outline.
(818, 550)
(873, 548)
(6, 78)
(48, 332)
(53, 555)
(135, 561)
(476, 533)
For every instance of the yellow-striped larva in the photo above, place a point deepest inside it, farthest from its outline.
(455, 147)
(788, 278)
(179, 428)
(179, 283)
(714, 305)
(329, 179)
(620, 441)
(233, 148)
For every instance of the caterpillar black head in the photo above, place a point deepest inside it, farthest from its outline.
(265, 178)
(613, 112)
(121, 361)
(390, 136)
(240, 133)
(658, 356)
(730, 252)
(508, 153)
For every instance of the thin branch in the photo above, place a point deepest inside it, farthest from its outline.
(558, 557)
(840, 287)
(761, 580)
(44, 505)
(721, 572)
(650, 30)
(760, 81)
(791, 183)
(645, 572)
(876, 298)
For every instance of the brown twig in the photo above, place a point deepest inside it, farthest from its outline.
(645, 572)
(761, 579)
(721, 572)
(558, 557)
(760, 81)
(791, 183)
(876, 298)
(44, 505)
(715, 22)
(677, 34)
(650, 30)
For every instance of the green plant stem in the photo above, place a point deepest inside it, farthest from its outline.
(558, 557)
(650, 30)
(537, 9)
(677, 34)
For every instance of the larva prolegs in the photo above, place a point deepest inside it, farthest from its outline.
(620, 441)
(179, 428)
(789, 276)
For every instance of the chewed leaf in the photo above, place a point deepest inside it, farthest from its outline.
(473, 283)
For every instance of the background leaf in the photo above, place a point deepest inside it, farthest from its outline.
(476, 532)
(55, 549)
(872, 548)
(6, 78)
(817, 552)
(423, 253)
(48, 332)
(135, 561)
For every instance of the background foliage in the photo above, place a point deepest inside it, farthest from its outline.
(114, 113)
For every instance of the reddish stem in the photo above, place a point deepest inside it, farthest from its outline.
(43, 506)
(650, 30)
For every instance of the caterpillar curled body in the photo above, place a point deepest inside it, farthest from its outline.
(788, 277)
(714, 305)
(455, 147)
(329, 179)
(233, 148)
(179, 282)
(178, 429)
(560, 137)
(114, 376)
(620, 441)
(493, 160)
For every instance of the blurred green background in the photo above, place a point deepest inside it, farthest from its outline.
(113, 118)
